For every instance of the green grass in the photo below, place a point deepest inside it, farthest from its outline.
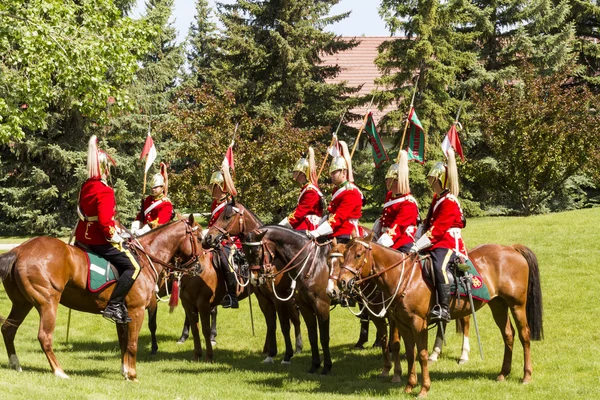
(566, 363)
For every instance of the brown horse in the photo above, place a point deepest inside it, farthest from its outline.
(510, 273)
(237, 220)
(45, 271)
(336, 258)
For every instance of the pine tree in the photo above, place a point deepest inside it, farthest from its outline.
(586, 15)
(203, 46)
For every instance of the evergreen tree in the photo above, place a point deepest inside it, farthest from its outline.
(586, 15)
(203, 46)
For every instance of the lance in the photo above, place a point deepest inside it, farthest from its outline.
(364, 123)
(331, 144)
(412, 102)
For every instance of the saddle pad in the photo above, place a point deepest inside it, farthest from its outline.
(479, 289)
(100, 272)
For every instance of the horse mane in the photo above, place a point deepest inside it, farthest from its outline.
(160, 227)
(229, 212)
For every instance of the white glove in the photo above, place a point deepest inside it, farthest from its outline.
(414, 249)
(423, 243)
(285, 222)
(385, 240)
(204, 233)
(116, 238)
(142, 230)
(135, 225)
(313, 234)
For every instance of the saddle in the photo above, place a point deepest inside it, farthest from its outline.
(458, 274)
(101, 272)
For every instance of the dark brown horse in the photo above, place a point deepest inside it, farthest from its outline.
(510, 273)
(45, 271)
(336, 258)
(236, 220)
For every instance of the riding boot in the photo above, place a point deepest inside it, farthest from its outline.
(230, 300)
(440, 312)
(116, 310)
(364, 333)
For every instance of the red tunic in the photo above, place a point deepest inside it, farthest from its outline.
(309, 210)
(97, 204)
(156, 211)
(399, 218)
(345, 209)
(445, 224)
(216, 208)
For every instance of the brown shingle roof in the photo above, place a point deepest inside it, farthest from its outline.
(358, 68)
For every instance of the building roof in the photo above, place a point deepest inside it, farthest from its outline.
(358, 68)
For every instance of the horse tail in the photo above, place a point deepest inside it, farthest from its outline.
(534, 306)
(7, 261)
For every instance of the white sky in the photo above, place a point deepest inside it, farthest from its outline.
(364, 19)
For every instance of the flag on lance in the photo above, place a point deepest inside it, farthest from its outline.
(451, 140)
(416, 138)
(149, 151)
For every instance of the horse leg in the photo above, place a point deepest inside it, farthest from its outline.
(520, 317)
(191, 315)
(152, 311)
(268, 309)
(466, 348)
(122, 335)
(284, 323)
(295, 320)
(47, 310)
(10, 326)
(395, 349)
(422, 351)
(213, 326)
(204, 310)
(185, 332)
(133, 332)
(324, 321)
(311, 326)
(409, 346)
(438, 344)
(380, 324)
(500, 314)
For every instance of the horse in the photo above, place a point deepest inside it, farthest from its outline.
(280, 258)
(237, 220)
(45, 271)
(336, 258)
(511, 274)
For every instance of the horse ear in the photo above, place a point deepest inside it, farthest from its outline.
(369, 238)
(233, 201)
(191, 218)
(334, 242)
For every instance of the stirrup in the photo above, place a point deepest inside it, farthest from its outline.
(438, 314)
(229, 301)
(116, 313)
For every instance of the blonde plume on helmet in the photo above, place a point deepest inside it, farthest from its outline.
(229, 186)
(165, 175)
(403, 183)
(312, 169)
(346, 155)
(452, 173)
(93, 166)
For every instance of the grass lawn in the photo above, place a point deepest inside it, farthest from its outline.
(566, 363)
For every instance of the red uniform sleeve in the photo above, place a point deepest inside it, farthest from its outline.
(346, 209)
(306, 206)
(405, 216)
(442, 220)
(106, 210)
(164, 212)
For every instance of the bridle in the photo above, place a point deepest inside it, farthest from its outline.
(188, 265)
(241, 221)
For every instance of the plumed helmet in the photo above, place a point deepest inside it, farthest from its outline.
(343, 162)
(302, 166)
(338, 163)
(217, 179)
(392, 172)
(438, 171)
(158, 180)
(98, 161)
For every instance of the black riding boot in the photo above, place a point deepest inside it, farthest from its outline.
(440, 312)
(230, 300)
(116, 310)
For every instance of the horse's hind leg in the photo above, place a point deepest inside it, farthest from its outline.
(47, 311)
(438, 344)
(500, 314)
(395, 350)
(284, 323)
(152, 311)
(466, 348)
(380, 324)
(17, 314)
(295, 320)
(205, 316)
(520, 317)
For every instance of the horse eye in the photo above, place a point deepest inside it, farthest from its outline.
(357, 256)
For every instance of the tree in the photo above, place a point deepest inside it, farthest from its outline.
(540, 133)
(586, 16)
(203, 46)
(59, 56)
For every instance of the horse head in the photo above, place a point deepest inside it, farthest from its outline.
(235, 220)
(258, 251)
(336, 258)
(356, 263)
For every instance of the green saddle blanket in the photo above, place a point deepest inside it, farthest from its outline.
(479, 289)
(100, 272)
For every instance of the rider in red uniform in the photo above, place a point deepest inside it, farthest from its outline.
(346, 204)
(442, 237)
(97, 231)
(309, 210)
(157, 209)
(222, 189)
(400, 211)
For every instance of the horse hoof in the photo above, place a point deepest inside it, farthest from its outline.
(422, 394)
(268, 360)
(298, 349)
(213, 343)
(283, 362)
(13, 363)
(384, 374)
(407, 389)
(398, 379)
(182, 340)
(61, 375)
(500, 378)
(462, 361)
(326, 370)
(526, 380)
(313, 370)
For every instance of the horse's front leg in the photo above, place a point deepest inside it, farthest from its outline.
(323, 319)
(152, 311)
(422, 353)
(395, 349)
(133, 332)
(311, 326)
(205, 316)
(284, 323)
(123, 337)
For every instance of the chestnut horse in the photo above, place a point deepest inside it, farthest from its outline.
(510, 273)
(236, 220)
(280, 258)
(45, 271)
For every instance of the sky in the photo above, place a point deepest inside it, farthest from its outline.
(364, 19)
